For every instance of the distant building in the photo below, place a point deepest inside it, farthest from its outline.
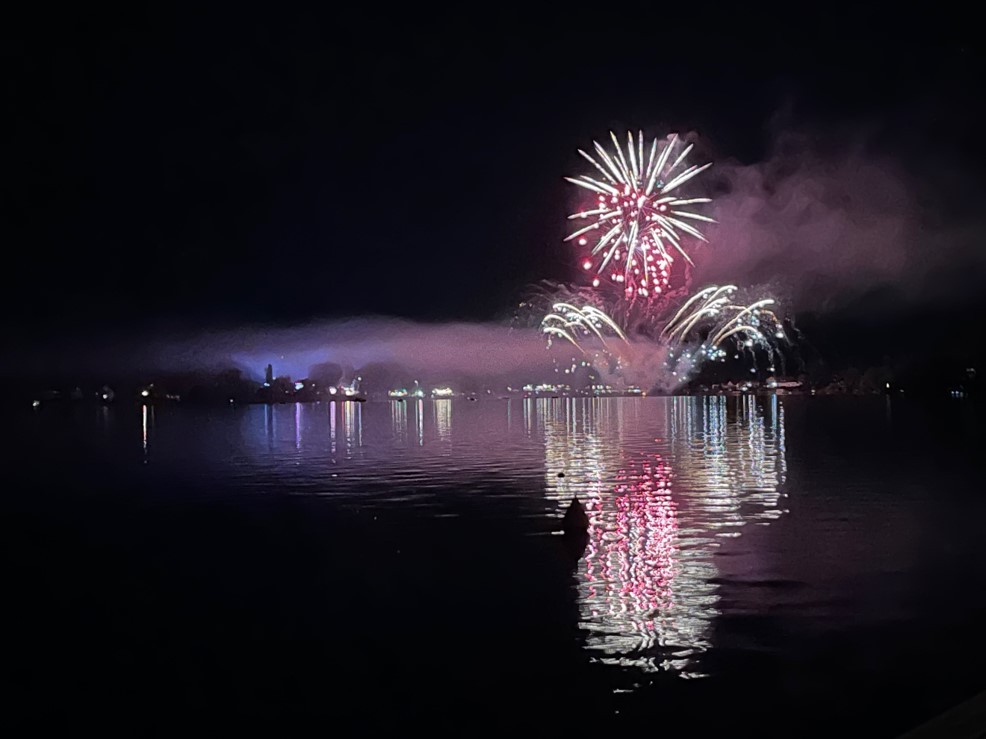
(269, 375)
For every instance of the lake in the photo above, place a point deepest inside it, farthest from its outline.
(780, 566)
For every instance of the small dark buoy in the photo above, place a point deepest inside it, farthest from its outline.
(561, 474)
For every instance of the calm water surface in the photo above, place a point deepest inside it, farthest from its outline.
(778, 566)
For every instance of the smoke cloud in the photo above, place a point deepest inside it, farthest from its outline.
(399, 352)
(431, 350)
(824, 224)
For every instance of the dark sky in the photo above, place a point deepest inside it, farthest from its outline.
(163, 172)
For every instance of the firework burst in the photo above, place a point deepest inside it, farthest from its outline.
(571, 323)
(712, 319)
(600, 346)
(638, 222)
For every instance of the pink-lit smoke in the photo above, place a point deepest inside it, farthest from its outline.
(432, 350)
(824, 223)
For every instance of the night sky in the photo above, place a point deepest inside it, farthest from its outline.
(165, 173)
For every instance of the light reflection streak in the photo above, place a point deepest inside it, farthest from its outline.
(420, 421)
(352, 423)
(443, 418)
(143, 429)
(359, 424)
(332, 427)
(576, 445)
(648, 580)
(398, 420)
(732, 449)
(297, 426)
(643, 597)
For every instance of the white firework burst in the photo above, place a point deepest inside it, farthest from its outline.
(572, 323)
(711, 319)
(639, 222)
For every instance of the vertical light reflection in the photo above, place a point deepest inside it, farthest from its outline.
(332, 427)
(352, 424)
(419, 420)
(659, 510)
(443, 418)
(729, 453)
(398, 420)
(642, 603)
(297, 426)
(647, 601)
(348, 428)
(359, 424)
(143, 429)
(777, 427)
(581, 443)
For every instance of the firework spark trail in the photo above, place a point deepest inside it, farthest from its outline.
(713, 297)
(567, 320)
(698, 331)
(640, 222)
(712, 316)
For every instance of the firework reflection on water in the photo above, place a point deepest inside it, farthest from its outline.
(648, 581)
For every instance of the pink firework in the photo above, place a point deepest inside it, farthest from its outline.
(638, 222)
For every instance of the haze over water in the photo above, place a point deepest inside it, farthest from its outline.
(769, 558)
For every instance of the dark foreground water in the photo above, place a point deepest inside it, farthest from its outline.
(771, 566)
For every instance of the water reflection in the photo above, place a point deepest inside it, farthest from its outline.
(143, 429)
(528, 406)
(332, 428)
(581, 441)
(732, 450)
(642, 587)
(398, 420)
(352, 423)
(658, 513)
(443, 418)
(685, 568)
(668, 484)
(297, 427)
